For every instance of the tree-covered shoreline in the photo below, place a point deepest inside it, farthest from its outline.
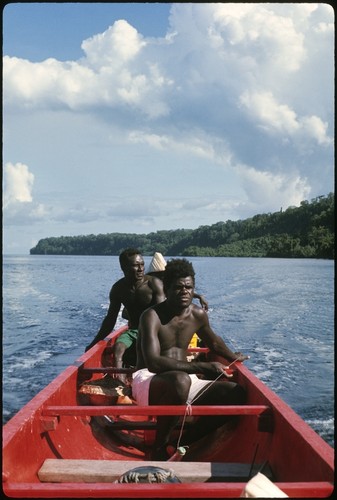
(306, 231)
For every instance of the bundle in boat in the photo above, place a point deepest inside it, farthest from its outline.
(106, 391)
(157, 264)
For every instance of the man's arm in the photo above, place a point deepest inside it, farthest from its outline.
(216, 344)
(157, 288)
(109, 320)
(202, 300)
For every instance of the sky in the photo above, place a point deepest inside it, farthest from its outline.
(140, 117)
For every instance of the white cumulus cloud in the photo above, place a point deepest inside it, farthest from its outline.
(112, 74)
(18, 184)
(271, 115)
(275, 117)
(18, 205)
(119, 44)
(242, 90)
(265, 189)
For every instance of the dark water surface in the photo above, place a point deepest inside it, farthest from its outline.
(279, 311)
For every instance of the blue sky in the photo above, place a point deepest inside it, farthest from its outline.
(142, 117)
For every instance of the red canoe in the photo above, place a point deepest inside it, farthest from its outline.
(59, 446)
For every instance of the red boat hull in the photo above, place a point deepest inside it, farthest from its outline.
(56, 425)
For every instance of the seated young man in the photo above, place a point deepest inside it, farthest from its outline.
(136, 291)
(164, 376)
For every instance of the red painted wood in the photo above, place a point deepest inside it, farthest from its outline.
(140, 490)
(303, 463)
(153, 410)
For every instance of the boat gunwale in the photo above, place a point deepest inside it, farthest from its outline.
(39, 405)
(318, 489)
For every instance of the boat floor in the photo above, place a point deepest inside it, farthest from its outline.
(107, 471)
(195, 465)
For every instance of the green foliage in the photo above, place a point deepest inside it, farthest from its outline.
(306, 231)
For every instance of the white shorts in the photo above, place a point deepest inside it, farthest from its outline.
(141, 386)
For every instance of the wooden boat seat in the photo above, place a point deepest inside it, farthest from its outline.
(106, 369)
(83, 411)
(108, 471)
(50, 414)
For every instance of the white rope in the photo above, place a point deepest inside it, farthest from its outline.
(205, 389)
(232, 363)
(211, 383)
(188, 409)
(188, 412)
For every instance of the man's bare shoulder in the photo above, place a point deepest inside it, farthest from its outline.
(197, 309)
(118, 287)
(154, 281)
(157, 287)
(154, 311)
(198, 312)
(150, 316)
(148, 313)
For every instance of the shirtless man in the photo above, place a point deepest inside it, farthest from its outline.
(136, 291)
(164, 376)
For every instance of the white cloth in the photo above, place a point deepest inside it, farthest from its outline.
(261, 487)
(141, 385)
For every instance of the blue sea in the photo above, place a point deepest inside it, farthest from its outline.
(278, 311)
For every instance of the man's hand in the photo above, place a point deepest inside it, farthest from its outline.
(202, 300)
(215, 368)
(240, 356)
(203, 303)
(222, 369)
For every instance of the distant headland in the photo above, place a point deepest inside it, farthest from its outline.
(306, 231)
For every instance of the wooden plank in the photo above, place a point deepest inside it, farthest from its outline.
(107, 471)
(107, 369)
(154, 410)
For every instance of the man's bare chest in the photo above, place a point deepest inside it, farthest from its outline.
(138, 295)
(178, 331)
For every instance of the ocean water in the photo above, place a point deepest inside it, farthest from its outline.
(278, 311)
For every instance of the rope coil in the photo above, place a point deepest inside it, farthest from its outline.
(148, 475)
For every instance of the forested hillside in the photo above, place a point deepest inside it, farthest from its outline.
(304, 231)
